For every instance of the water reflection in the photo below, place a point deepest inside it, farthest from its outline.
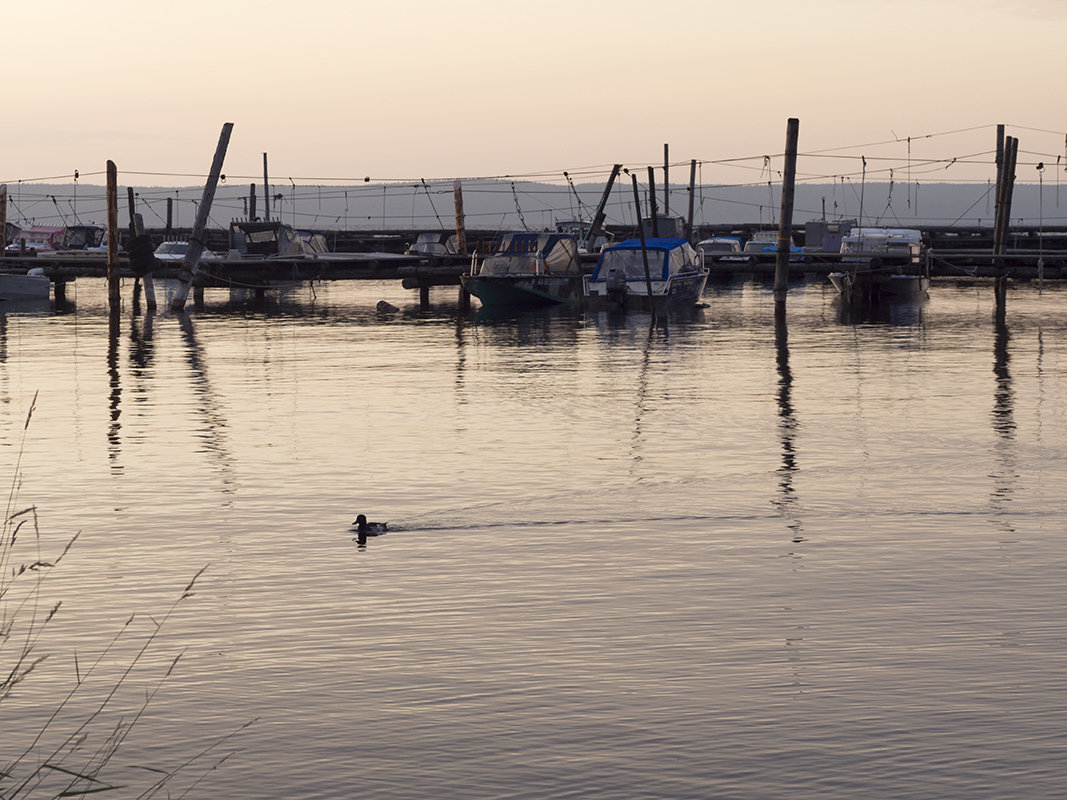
(897, 312)
(1003, 412)
(114, 380)
(213, 420)
(787, 425)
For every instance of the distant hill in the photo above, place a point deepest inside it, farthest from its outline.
(522, 205)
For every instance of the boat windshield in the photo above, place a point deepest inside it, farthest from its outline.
(662, 261)
(530, 254)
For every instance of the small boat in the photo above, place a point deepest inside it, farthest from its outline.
(436, 243)
(175, 251)
(881, 263)
(34, 285)
(676, 274)
(528, 270)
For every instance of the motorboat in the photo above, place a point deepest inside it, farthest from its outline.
(33, 285)
(175, 251)
(881, 263)
(434, 243)
(527, 270)
(675, 274)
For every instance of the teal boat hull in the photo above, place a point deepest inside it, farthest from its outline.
(524, 291)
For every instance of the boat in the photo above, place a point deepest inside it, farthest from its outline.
(528, 270)
(175, 251)
(39, 239)
(34, 285)
(881, 263)
(676, 274)
(434, 243)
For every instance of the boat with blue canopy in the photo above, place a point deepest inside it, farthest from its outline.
(676, 274)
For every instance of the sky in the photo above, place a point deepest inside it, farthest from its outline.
(336, 91)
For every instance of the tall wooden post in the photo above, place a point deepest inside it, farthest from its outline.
(252, 202)
(1000, 178)
(599, 215)
(461, 225)
(785, 225)
(137, 229)
(666, 180)
(644, 252)
(196, 242)
(266, 192)
(1004, 195)
(112, 236)
(3, 218)
(692, 197)
(653, 212)
(170, 217)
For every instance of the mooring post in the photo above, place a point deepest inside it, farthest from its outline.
(266, 192)
(666, 180)
(1000, 179)
(252, 202)
(191, 262)
(137, 229)
(112, 236)
(785, 225)
(461, 224)
(599, 216)
(692, 193)
(653, 211)
(3, 219)
(644, 252)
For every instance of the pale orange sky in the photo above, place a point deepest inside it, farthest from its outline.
(411, 89)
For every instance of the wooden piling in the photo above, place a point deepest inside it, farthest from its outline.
(666, 180)
(3, 218)
(653, 212)
(137, 229)
(169, 231)
(785, 225)
(191, 262)
(1004, 195)
(599, 215)
(266, 192)
(112, 236)
(644, 252)
(461, 225)
(692, 197)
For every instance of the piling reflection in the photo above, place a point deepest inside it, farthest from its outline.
(897, 312)
(1002, 415)
(114, 377)
(212, 418)
(787, 502)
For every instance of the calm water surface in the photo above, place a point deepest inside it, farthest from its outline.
(710, 558)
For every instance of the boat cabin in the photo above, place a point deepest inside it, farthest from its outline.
(666, 258)
(533, 254)
(40, 238)
(259, 239)
(866, 243)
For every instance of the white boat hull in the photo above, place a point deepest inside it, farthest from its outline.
(24, 287)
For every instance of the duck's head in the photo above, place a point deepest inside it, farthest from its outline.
(361, 522)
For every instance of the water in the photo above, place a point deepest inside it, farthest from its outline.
(709, 558)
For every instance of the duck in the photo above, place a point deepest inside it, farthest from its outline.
(369, 528)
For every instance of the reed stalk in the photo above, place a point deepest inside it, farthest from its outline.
(69, 754)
